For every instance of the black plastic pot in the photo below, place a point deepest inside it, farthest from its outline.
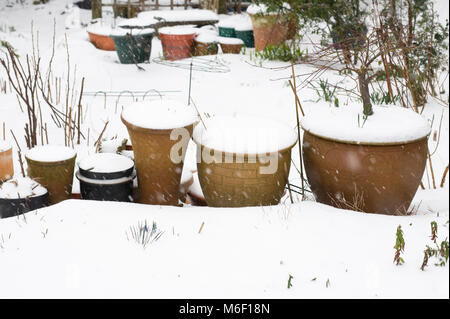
(115, 190)
(106, 176)
(15, 207)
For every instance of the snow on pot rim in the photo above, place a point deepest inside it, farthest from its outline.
(254, 9)
(50, 153)
(241, 22)
(178, 30)
(159, 114)
(122, 32)
(106, 163)
(245, 134)
(206, 37)
(115, 181)
(389, 125)
(230, 41)
(5, 146)
(99, 29)
(21, 188)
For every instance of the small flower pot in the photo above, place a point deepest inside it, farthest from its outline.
(106, 177)
(238, 179)
(6, 161)
(177, 43)
(206, 48)
(231, 45)
(133, 46)
(247, 37)
(52, 167)
(11, 205)
(269, 30)
(150, 126)
(99, 37)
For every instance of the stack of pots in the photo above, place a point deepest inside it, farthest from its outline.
(53, 167)
(160, 132)
(133, 46)
(6, 161)
(177, 42)
(245, 160)
(106, 177)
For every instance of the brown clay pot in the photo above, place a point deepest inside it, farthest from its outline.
(241, 184)
(158, 177)
(177, 47)
(231, 48)
(6, 165)
(102, 42)
(269, 30)
(57, 177)
(381, 179)
(203, 48)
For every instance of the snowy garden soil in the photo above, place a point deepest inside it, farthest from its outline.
(86, 249)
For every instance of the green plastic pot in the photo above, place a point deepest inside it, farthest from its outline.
(227, 32)
(133, 47)
(247, 37)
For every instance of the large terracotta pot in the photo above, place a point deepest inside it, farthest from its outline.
(177, 46)
(6, 162)
(269, 30)
(158, 177)
(56, 176)
(380, 179)
(102, 42)
(241, 183)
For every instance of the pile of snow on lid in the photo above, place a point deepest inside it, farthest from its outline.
(159, 114)
(21, 187)
(106, 163)
(178, 30)
(121, 32)
(231, 41)
(387, 125)
(179, 15)
(4, 146)
(50, 153)
(244, 134)
(262, 9)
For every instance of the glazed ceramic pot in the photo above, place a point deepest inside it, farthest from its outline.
(6, 161)
(177, 43)
(133, 46)
(247, 37)
(52, 167)
(269, 29)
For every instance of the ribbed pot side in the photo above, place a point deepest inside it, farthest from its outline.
(57, 177)
(269, 30)
(241, 183)
(158, 177)
(380, 179)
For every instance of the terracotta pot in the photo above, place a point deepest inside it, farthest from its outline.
(381, 179)
(231, 48)
(269, 30)
(203, 48)
(158, 177)
(6, 165)
(177, 47)
(57, 177)
(102, 42)
(241, 184)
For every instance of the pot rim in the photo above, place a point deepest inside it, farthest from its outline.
(246, 154)
(46, 194)
(116, 181)
(55, 163)
(337, 140)
(164, 131)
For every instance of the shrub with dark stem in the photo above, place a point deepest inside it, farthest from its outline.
(399, 246)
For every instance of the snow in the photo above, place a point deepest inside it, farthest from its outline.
(178, 30)
(106, 163)
(162, 114)
(21, 187)
(206, 37)
(120, 32)
(136, 22)
(195, 188)
(388, 125)
(179, 15)
(100, 29)
(245, 134)
(50, 153)
(4, 146)
(231, 41)
(262, 9)
(240, 22)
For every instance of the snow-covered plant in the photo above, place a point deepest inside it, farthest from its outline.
(399, 246)
(439, 252)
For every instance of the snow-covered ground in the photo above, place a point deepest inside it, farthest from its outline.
(85, 249)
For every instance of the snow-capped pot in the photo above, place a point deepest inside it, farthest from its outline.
(53, 167)
(106, 177)
(133, 46)
(155, 128)
(269, 28)
(373, 165)
(245, 160)
(177, 42)
(6, 161)
(231, 45)
(99, 37)
(21, 195)
(206, 44)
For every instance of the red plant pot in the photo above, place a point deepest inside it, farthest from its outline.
(177, 47)
(102, 42)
